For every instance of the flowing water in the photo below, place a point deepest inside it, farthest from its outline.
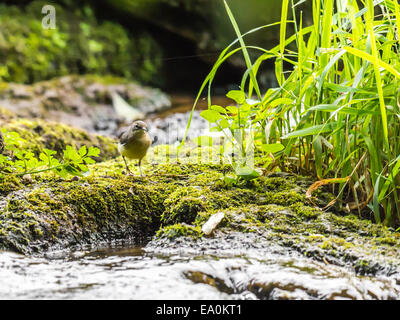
(139, 273)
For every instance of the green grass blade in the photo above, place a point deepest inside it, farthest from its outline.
(375, 55)
(243, 46)
(326, 30)
(314, 130)
(282, 38)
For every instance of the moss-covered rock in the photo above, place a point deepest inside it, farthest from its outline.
(173, 201)
(9, 183)
(68, 213)
(179, 230)
(40, 134)
(109, 202)
(183, 205)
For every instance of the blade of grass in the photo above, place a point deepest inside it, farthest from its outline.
(375, 60)
(243, 46)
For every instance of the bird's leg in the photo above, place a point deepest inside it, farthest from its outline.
(126, 165)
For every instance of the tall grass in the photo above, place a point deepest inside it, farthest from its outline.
(337, 107)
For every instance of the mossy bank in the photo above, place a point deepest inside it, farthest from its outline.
(39, 134)
(173, 201)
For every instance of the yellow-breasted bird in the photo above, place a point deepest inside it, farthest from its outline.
(134, 143)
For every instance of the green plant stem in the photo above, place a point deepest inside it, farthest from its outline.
(40, 171)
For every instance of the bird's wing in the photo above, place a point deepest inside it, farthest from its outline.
(124, 137)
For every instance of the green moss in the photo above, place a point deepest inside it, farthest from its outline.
(318, 234)
(107, 79)
(175, 200)
(275, 184)
(285, 198)
(40, 134)
(304, 211)
(100, 204)
(392, 239)
(81, 211)
(43, 200)
(9, 183)
(335, 243)
(80, 44)
(179, 230)
(184, 210)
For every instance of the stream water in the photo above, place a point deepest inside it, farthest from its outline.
(138, 273)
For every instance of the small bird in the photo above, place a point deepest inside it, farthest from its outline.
(134, 143)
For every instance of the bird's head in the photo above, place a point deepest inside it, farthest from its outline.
(139, 126)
